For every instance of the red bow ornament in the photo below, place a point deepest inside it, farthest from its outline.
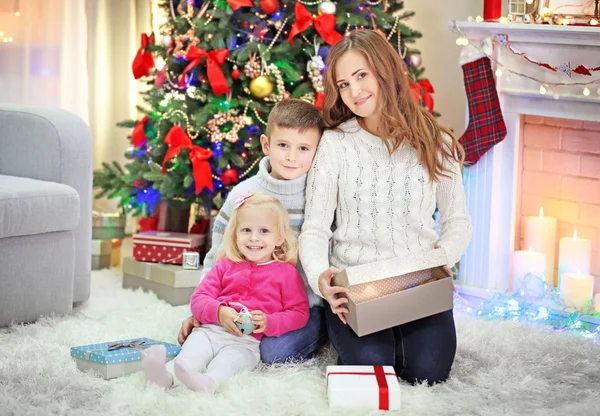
(214, 60)
(176, 139)
(143, 61)
(324, 25)
(138, 137)
(423, 90)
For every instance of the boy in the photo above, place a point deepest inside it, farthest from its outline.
(294, 129)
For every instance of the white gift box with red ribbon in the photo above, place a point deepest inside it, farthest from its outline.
(365, 386)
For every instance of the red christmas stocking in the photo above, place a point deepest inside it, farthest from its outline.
(486, 125)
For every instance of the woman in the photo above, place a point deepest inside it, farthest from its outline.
(380, 171)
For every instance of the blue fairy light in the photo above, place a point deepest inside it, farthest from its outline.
(218, 149)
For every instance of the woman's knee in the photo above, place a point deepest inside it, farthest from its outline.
(430, 374)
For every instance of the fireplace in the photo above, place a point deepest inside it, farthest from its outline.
(550, 157)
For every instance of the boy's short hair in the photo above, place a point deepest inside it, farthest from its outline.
(295, 114)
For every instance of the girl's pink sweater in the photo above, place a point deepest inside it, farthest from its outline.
(275, 288)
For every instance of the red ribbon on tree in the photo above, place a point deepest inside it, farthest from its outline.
(423, 90)
(138, 137)
(148, 224)
(319, 98)
(143, 61)
(324, 25)
(176, 139)
(379, 373)
(236, 4)
(214, 60)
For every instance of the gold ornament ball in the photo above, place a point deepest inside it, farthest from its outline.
(416, 60)
(326, 7)
(261, 86)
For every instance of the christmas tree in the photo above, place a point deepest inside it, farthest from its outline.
(226, 63)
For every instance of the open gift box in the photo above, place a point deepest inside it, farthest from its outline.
(395, 291)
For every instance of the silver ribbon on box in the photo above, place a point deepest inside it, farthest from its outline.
(138, 344)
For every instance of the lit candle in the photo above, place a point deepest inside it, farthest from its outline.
(524, 262)
(574, 255)
(576, 289)
(492, 9)
(540, 233)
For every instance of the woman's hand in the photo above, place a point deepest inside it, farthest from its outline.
(449, 271)
(260, 320)
(329, 293)
(187, 326)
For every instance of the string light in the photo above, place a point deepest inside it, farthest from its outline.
(542, 89)
(536, 302)
(479, 19)
(594, 22)
(499, 72)
(586, 91)
(462, 41)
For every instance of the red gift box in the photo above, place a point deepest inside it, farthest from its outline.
(166, 247)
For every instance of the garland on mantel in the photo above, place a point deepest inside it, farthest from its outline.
(565, 68)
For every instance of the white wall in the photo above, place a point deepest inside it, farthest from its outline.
(440, 54)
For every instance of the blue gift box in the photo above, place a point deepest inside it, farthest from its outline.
(118, 358)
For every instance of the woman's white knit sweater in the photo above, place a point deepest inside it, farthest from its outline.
(382, 204)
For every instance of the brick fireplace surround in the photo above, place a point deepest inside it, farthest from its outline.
(550, 157)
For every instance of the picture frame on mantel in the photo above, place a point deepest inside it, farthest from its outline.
(572, 11)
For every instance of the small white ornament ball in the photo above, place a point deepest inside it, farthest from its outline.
(327, 7)
(416, 60)
(166, 41)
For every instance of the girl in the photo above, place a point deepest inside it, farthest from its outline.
(255, 269)
(380, 172)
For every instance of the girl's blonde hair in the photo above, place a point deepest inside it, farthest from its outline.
(401, 117)
(287, 252)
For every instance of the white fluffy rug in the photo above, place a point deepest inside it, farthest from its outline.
(502, 368)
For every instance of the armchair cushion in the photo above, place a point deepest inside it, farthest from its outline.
(30, 206)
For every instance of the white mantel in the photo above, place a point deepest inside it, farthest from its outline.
(492, 184)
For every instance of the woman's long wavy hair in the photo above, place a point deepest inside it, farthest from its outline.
(401, 117)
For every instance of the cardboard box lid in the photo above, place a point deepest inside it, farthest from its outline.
(400, 307)
(396, 266)
(166, 274)
(164, 238)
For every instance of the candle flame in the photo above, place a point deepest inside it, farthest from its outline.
(541, 213)
(575, 234)
(531, 249)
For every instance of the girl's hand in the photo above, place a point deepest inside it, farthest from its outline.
(329, 293)
(260, 320)
(226, 317)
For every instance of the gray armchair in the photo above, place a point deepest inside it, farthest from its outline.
(45, 212)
